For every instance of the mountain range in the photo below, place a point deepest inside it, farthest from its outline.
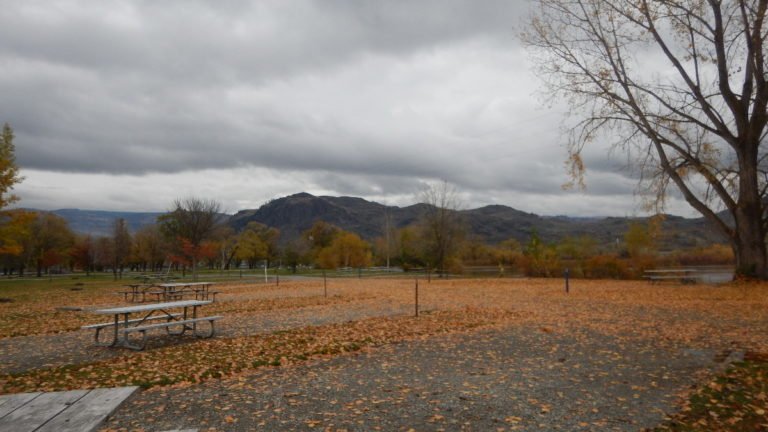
(491, 224)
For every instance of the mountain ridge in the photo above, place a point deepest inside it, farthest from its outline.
(491, 224)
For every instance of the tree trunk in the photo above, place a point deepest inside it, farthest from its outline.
(749, 234)
(749, 245)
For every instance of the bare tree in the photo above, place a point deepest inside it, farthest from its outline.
(191, 222)
(441, 223)
(678, 84)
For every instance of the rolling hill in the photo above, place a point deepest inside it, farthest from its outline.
(492, 224)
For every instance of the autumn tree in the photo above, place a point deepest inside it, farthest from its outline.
(14, 224)
(346, 250)
(251, 247)
(408, 248)
(541, 258)
(9, 171)
(49, 242)
(149, 248)
(121, 246)
(679, 85)
(82, 253)
(103, 251)
(320, 235)
(639, 239)
(296, 252)
(255, 243)
(442, 226)
(227, 244)
(188, 225)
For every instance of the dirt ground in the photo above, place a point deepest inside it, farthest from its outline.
(609, 355)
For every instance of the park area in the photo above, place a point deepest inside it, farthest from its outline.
(482, 354)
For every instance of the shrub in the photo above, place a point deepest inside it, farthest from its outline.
(717, 254)
(606, 267)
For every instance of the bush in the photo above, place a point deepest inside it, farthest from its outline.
(606, 267)
(717, 254)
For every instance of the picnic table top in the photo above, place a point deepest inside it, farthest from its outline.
(183, 284)
(150, 307)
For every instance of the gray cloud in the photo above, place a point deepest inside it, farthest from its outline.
(350, 97)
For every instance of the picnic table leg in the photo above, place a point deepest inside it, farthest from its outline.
(125, 326)
(114, 339)
(194, 316)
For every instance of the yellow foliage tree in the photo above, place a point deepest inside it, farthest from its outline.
(346, 250)
(14, 224)
(9, 172)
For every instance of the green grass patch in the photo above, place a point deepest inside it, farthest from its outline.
(735, 401)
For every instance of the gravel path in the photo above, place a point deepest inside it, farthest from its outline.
(515, 378)
(20, 354)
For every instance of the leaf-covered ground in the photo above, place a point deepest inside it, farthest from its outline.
(298, 328)
(224, 357)
(736, 400)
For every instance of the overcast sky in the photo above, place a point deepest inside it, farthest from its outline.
(126, 105)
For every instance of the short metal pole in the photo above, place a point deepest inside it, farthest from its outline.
(417, 297)
(277, 276)
(566, 274)
(325, 285)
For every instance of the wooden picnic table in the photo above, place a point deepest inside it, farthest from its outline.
(177, 315)
(136, 292)
(177, 290)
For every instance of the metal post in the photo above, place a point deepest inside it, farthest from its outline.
(566, 273)
(277, 276)
(417, 297)
(325, 285)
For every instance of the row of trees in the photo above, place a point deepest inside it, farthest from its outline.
(45, 242)
(191, 234)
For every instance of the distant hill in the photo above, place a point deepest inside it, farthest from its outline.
(296, 213)
(99, 222)
(491, 224)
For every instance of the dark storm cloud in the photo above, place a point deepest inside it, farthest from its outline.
(144, 86)
(360, 97)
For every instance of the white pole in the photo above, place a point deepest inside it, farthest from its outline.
(266, 279)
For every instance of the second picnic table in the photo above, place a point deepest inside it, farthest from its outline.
(177, 290)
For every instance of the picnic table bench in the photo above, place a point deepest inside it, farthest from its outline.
(175, 323)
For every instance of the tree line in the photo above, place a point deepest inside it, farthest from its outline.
(193, 235)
